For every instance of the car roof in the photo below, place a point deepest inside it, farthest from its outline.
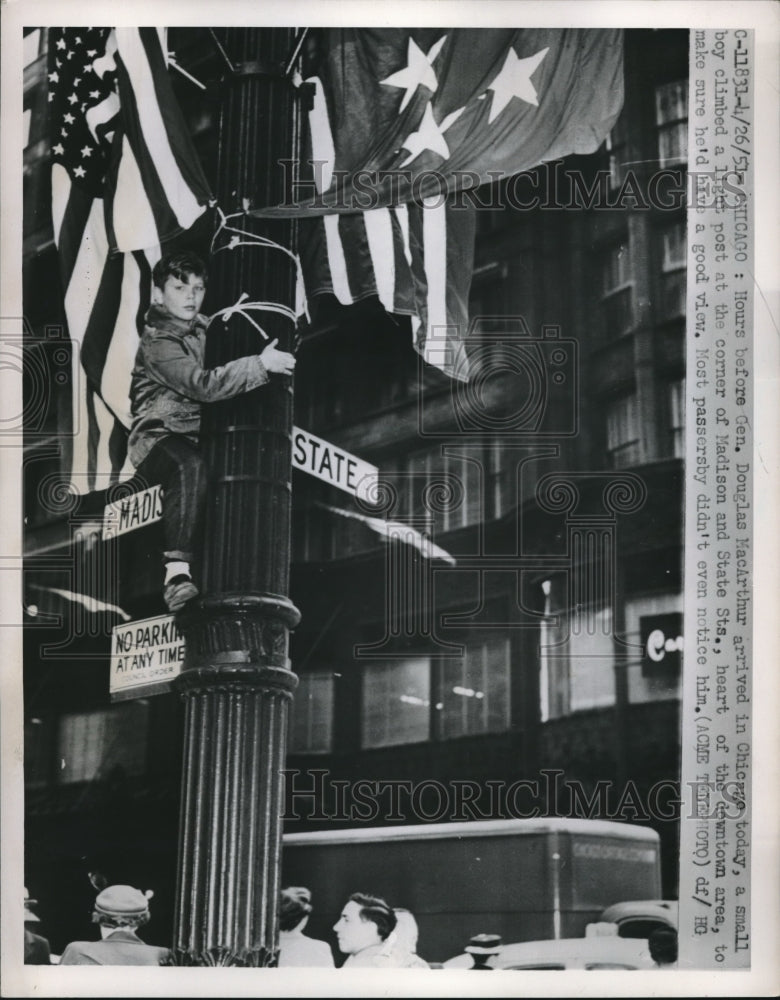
(575, 953)
(662, 910)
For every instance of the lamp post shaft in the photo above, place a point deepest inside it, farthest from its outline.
(237, 681)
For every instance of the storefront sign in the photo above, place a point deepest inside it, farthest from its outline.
(662, 642)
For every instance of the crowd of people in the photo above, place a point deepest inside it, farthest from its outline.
(369, 931)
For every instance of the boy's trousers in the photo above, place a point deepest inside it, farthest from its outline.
(176, 464)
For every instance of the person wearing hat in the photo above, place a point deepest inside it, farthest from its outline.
(482, 947)
(295, 947)
(119, 911)
(36, 948)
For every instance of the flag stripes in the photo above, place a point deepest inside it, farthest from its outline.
(401, 254)
(157, 192)
(125, 178)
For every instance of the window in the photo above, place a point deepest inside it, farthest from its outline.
(500, 485)
(456, 499)
(616, 290)
(673, 272)
(396, 702)
(616, 148)
(474, 691)
(671, 118)
(91, 744)
(577, 656)
(623, 443)
(32, 46)
(615, 270)
(311, 721)
(674, 247)
(675, 402)
(38, 746)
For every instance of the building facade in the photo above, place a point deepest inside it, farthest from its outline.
(529, 665)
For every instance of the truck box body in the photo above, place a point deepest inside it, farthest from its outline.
(522, 879)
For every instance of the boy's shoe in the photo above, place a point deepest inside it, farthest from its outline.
(178, 591)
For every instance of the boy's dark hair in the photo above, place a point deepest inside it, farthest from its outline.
(377, 911)
(178, 265)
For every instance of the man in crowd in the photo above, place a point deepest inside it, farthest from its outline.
(364, 926)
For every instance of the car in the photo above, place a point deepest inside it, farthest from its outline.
(637, 918)
(610, 952)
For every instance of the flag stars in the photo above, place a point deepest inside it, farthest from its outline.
(91, 53)
(428, 136)
(60, 43)
(86, 151)
(79, 172)
(514, 80)
(73, 98)
(54, 77)
(58, 150)
(68, 118)
(417, 72)
(94, 94)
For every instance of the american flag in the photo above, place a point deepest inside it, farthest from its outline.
(125, 178)
(403, 120)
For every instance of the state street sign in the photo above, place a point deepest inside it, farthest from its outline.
(333, 465)
(311, 454)
(146, 656)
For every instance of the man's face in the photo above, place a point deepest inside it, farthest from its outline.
(353, 932)
(181, 297)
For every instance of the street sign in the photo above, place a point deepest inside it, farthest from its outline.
(311, 454)
(131, 512)
(146, 656)
(334, 465)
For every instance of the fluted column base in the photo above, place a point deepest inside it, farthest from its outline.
(236, 713)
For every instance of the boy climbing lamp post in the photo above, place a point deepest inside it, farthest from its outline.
(237, 682)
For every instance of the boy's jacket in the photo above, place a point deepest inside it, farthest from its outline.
(169, 382)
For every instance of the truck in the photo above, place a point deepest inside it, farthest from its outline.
(525, 879)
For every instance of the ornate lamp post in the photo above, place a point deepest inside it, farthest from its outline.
(237, 682)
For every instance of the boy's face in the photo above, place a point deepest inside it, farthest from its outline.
(181, 297)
